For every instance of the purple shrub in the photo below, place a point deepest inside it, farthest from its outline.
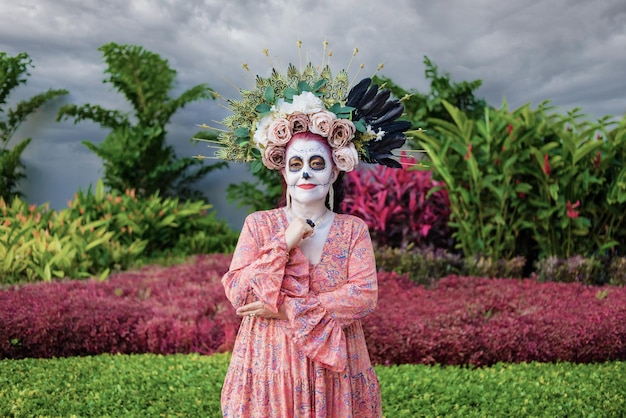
(182, 309)
(400, 206)
(178, 309)
(479, 321)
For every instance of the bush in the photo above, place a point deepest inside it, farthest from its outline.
(39, 244)
(167, 225)
(504, 390)
(179, 309)
(190, 386)
(426, 265)
(525, 181)
(113, 386)
(401, 207)
(480, 321)
(183, 309)
(99, 233)
(578, 269)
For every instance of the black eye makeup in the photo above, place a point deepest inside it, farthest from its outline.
(317, 163)
(295, 164)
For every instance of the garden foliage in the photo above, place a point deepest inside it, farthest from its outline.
(135, 152)
(183, 309)
(190, 385)
(401, 207)
(481, 321)
(102, 232)
(427, 265)
(528, 182)
(262, 194)
(180, 309)
(13, 72)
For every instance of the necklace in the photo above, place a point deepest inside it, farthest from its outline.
(313, 223)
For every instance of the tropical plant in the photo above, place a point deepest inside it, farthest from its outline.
(13, 72)
(401, 207)
(168, 225)
(135, 152)
(575, 169)
(263, 194)
(421, 107)
(530, 182)
(104, 232)
(479, 162)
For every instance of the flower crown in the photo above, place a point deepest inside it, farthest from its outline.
(359, 124)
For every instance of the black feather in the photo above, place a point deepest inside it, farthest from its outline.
(391, 128)
(368, 96)
(388, 106)
(389, 162)
(356, 93)
(384, 159)
(373, 107)
(384, 147)
(392, 114)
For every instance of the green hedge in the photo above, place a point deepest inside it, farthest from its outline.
(190, 385)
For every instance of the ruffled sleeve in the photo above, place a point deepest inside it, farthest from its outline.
(316, 321)
(260, 262)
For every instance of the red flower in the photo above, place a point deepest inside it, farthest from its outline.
(521, 195)
(509, 129)
(570, 209)
(546, 165)
(468, 154)
(597, 160)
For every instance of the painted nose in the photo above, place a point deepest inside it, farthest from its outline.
(306, 175)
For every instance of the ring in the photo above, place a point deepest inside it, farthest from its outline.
(311, 223)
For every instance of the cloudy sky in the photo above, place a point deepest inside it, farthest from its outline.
(572, 52)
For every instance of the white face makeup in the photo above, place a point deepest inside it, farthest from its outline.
(309, 171)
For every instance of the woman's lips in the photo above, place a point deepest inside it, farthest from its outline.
(307, 186)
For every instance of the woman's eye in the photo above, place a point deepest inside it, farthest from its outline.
(295, 165)
(318, 163)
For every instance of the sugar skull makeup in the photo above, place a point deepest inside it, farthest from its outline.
(308, 170)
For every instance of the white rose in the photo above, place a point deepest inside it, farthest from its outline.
(260, 134)
(305, 102)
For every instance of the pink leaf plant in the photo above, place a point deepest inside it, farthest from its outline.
(400, 206)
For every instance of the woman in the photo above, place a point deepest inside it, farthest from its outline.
(302, 276)
(301, 288)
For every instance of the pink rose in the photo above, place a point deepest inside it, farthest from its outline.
(322, 122)
(278, 133)
(342, 133)
(274, 157)
(346, 158)
(298, 122)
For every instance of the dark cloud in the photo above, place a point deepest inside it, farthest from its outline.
(524, 51)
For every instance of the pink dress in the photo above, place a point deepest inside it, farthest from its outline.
(315, 364)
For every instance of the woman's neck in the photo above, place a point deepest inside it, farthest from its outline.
(312, 210)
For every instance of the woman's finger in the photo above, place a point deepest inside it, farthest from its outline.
(254, 309)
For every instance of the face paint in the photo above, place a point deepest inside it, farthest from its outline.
(309, 170)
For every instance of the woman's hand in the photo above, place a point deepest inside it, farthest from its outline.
(258, 309)
(297, 230)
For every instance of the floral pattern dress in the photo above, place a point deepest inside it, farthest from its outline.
(315, 363)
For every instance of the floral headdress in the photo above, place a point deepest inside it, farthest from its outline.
(359, 124)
